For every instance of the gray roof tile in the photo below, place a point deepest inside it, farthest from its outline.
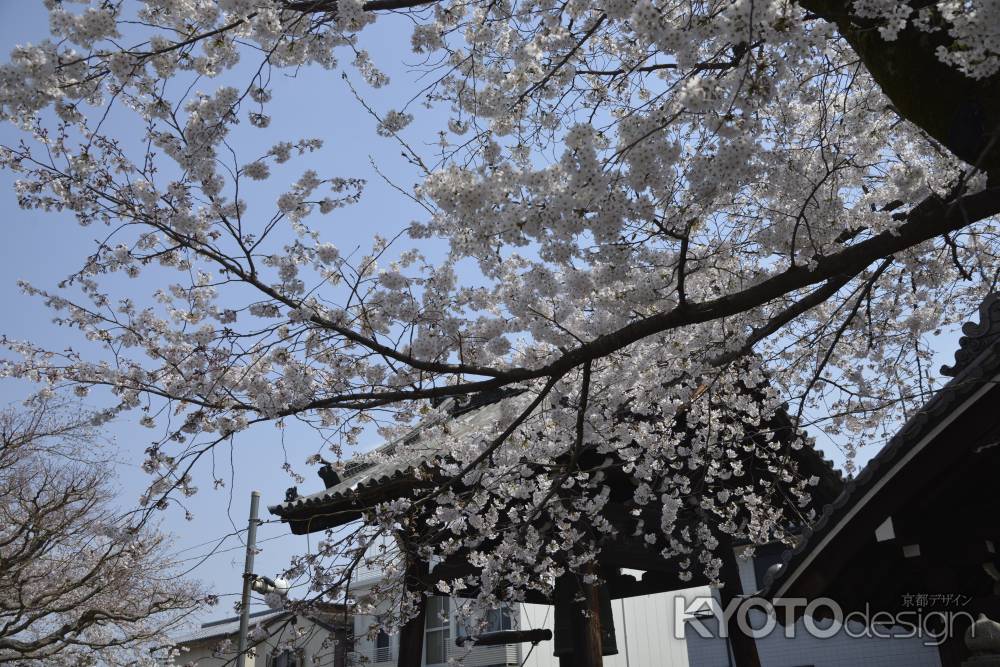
(371, 470)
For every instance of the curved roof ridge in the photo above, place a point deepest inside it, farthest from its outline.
(978, 336)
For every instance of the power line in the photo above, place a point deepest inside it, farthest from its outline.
(215, 552)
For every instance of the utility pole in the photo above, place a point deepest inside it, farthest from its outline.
(248, 577)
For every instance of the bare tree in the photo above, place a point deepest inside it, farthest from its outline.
(78, 584)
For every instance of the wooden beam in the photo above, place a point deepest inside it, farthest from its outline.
(913, 479)
(626, 586)
(635, 555)
(501, 637)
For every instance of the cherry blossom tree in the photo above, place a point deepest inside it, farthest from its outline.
(696, 214)
(78, 584)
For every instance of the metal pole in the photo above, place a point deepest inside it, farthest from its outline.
(248, 578)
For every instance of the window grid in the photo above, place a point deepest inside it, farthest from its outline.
(438, 630)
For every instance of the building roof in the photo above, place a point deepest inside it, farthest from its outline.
(379, 476)
(977, 361)
(229, 626)
(324, 614)
(381, 467)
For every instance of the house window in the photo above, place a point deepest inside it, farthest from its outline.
(286, 658)
(499, 619)
(438, 630)
(383, 647)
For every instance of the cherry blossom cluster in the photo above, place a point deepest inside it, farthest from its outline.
(650, 196)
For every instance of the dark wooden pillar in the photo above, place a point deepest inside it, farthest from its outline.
(343, 638)
(951, 652)
(411, 636)
(578, 623)
(588, 644)
(744, 647)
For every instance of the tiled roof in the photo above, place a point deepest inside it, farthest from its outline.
(978, 337)
(976, 361)
(369, 471)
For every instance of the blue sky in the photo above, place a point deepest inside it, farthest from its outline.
(43, 248)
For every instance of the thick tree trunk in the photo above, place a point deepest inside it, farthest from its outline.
(962, 113)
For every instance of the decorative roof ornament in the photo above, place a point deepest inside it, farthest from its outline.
(978, 337)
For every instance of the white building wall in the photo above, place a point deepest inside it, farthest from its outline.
(364, 648)
(748, 579)
(537, 617)
(647, 631)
